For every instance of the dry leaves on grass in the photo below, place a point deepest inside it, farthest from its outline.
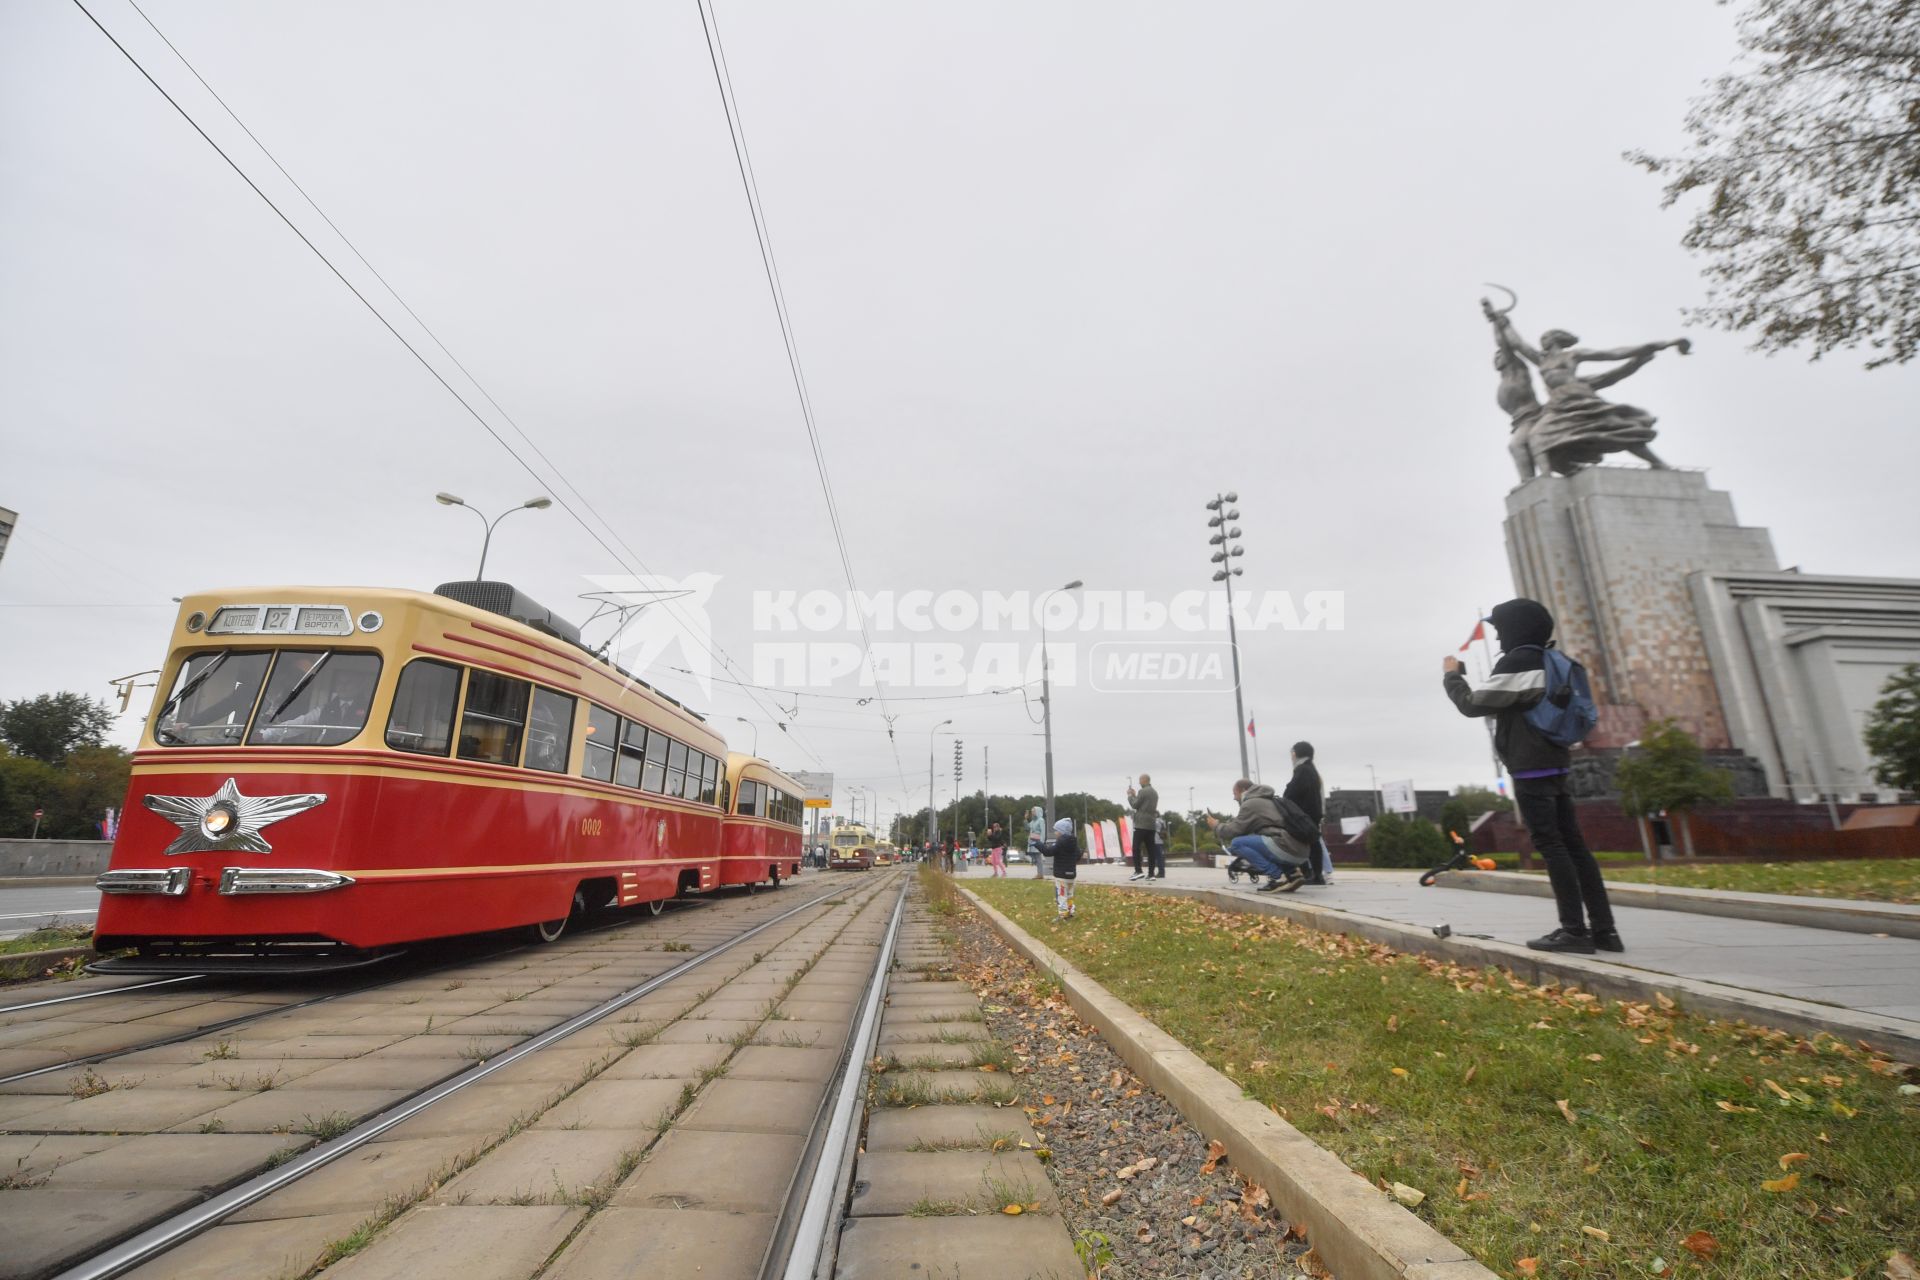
(1701, 1245)
(1565, 1110)
(1527, 1266)
(1900, 1267)
(1780, 1186)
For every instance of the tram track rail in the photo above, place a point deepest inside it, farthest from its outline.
(385, 978)
(157, 1239)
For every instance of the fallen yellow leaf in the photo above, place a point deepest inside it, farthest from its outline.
(1565, 1110)
(1900, 1267)
(1792, 1158)
(1701, 1244)
(1527, 1266)
(1400, 1071)
(1777, 1088)
(1013, 1211)
(1780, 1185)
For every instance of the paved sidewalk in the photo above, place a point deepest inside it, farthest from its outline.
(1854, 971)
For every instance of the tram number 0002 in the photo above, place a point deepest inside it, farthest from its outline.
(590, 826)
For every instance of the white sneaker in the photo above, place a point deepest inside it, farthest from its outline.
(1136, 876)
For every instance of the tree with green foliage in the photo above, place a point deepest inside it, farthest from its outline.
(73, 796)
(49, 727)
(1806, 154)
(1893, 730)
(1467, 803)
(1668, 772)
(1394, 840)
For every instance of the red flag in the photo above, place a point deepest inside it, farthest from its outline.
(1479, 633)
(1250, 732)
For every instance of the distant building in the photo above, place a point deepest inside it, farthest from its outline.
(7, 520)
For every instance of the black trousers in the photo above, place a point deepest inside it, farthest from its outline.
(1547, 810)
(1142, 848)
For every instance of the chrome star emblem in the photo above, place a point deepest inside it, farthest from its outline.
(226, 819)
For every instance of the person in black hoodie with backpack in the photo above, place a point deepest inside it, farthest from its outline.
(1539, 768)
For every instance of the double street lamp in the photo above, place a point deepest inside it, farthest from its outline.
(531, 504)
(1046, 697)
(1226, 550)
(933, 817)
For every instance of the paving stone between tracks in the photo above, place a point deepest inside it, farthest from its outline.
(377, 1072)
(755, 1106)
(625, 1242)
(934, 1056)
(997, 1248)
(738, 1172)
(251, 1250)
(899, 1182)
(479, 1242)
(930, 1032)
(483, 1108)
(360, 1181)
(30, 1157)
(120, 1111)
(920, 1088)
(289, 1110)
(948, 1128)
(668, 1062)
(714, 1030)
(615, 1104)
(777, 1062)
(794, 1034)
(177, 1161)
(561, 1064)
(546, 1166)
(46, 1227)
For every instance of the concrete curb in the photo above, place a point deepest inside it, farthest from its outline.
(23, 965)
(1844, 915)
(1357, 1231)
(46, 882)
(1896, 1036)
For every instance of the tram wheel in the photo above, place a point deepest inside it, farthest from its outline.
(773, 877)
(548, 930)
(657, 906)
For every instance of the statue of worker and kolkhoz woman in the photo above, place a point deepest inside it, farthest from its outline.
(1575, 428)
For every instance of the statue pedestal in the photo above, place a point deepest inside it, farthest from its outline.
(1609, 551)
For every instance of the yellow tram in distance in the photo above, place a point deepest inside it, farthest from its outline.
(850, 848)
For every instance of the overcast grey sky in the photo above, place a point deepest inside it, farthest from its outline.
(1058, 272)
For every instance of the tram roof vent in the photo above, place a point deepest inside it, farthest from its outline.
(508, 601)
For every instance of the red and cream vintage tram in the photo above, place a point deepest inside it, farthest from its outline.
(760, 834)
(329, 773)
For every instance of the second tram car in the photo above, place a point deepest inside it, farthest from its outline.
(760, 834)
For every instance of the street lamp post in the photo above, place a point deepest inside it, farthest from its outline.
(1225, 531)
(531, 504)
(756, 732)
(1046, 698)
(933, 820)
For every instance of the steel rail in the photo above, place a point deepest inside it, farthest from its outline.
(94, 995)
(173, 1231)
(814, 1233)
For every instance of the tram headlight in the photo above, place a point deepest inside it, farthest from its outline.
(218, 822)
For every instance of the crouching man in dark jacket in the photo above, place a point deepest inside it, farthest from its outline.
(1539, 768)
(1256, 833)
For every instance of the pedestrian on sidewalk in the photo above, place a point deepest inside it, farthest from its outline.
(997, 850)
(1146, 812)
(1036, 836)
(1539, 769)
(1258, 834)
(1306, 790)
(1064, 850)
(1160, 845)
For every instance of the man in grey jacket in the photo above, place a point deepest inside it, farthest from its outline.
(1146, 816)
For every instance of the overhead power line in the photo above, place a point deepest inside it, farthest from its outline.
(387, 324)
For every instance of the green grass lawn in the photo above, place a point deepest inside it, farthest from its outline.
(46, 939)
(1551, 1132)
(1877, 879)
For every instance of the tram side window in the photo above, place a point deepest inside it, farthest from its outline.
(550, 731)
(423, 707)
(633, 751)
(676, 768)
(212, 697)
(316, 698)
(603, 732)
(749, 795)
(495, 719)
(709, 780)
(656, 777)
(698, 762)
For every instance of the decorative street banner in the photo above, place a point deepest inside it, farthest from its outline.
(1110, 840)
(1126, 838)
(1096, 849)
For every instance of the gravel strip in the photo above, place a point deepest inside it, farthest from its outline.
(1126, 1164)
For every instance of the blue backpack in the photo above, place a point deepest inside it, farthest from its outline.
(1566, 713)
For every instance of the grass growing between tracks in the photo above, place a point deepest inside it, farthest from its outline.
(1552, 1134)
(1873, 879)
